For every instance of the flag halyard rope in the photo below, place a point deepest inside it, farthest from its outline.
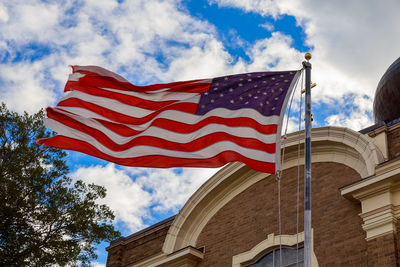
(279, 172)
(298, 177)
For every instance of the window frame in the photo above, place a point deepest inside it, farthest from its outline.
(272, 242)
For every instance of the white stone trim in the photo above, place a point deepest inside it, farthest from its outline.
(379, 196)
(187, 257)
(268, 244)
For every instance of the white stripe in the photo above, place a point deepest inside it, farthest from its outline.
(138, 151)
(184, 117)
(243, 132)
(74, 77)
(101, 71)
(117, 106)
(162, 96)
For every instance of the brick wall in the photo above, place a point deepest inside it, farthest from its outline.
(251, 216)
(393, 137)
(382, 251)
(138, 247)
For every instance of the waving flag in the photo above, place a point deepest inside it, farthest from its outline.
(198, 123)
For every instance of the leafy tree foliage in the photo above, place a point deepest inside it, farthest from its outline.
(46, 219)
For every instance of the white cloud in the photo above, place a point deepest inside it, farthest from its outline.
(25, 86)
(274, 53)
(355, 116)
(263, 7)
(170, 189)
(88, 33)
(3, 13)
(125, 197)
(356, 121)
(268, 26)
(352, 46)
(137, 194)
(31, 20)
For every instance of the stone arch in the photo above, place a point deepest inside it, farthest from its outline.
(272, 241)
(329, 144)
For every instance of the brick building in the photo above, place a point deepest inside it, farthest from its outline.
(232, 219)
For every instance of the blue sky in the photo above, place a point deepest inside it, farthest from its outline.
(148, 41)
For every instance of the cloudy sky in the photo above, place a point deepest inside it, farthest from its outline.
(151, 41)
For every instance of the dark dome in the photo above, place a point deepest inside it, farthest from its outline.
(387, 95)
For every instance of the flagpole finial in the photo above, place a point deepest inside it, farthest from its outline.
(307, 56)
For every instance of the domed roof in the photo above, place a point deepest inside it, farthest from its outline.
(387, 95)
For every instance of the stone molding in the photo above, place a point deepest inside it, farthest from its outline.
(270, 243)
(379, 196)
(186, 257)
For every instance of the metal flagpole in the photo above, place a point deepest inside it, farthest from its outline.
(307, 165)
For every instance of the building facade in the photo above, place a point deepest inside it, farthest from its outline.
(232, 219)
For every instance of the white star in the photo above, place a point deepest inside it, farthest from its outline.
(249, 80)
(255, 97)
(273, 78)
(281, 89)
(203, 106)
(206, 93)
(282, 75)
(249, 95)
(265, 93)
(221, 95)
(216, 88)
(247, 102)
(286, 81)
(273, 108)
(232, 101)
(249, 74)
(230, 89)
(261, 104)
(212, 101)
(276, 98)
(241, 98)
(240, 84)
(226, 78)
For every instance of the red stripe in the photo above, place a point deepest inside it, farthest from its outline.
(184, 128)
(181, 127)
(231, 122)
(123, 98)
(192, 146)
(122, 118)
(158, 161)
(92, 79)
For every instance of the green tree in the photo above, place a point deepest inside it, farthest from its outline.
(46, 218)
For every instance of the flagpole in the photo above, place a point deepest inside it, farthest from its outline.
(307, 167)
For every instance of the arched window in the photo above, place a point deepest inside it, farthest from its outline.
(290, 258)
(266, 253)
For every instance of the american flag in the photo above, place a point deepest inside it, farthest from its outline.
(197, 123)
